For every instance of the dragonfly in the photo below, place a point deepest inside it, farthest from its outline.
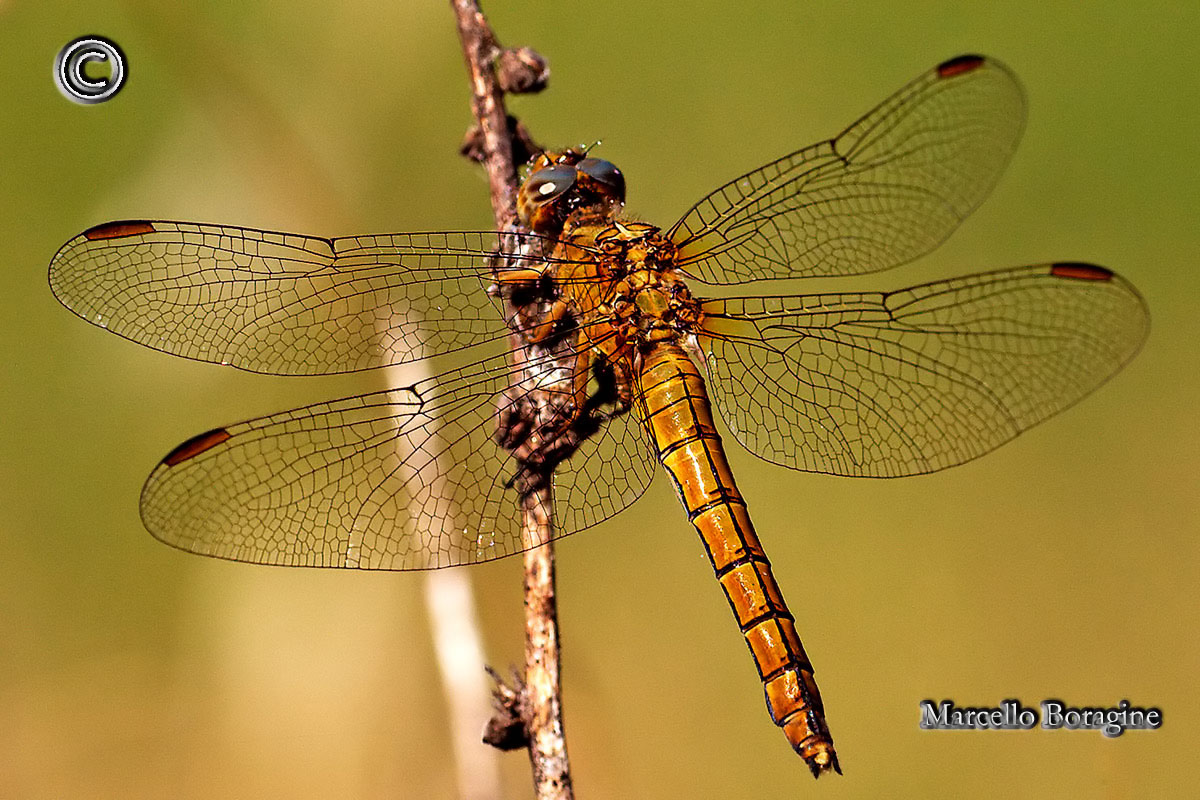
(581, 359)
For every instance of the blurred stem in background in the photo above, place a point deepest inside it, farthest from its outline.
(450, 603)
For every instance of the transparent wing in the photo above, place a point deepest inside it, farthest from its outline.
(889, 188)
(284, 304)
(405, 479)
(913, 381)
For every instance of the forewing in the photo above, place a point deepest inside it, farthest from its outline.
(913, 381)
(889, 188)
(285, 304)
(405, 479)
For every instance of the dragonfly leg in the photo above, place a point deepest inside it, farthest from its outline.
(541, 331)
(518, 275)
(618, 387)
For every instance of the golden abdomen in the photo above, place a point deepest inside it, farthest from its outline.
(679, 418)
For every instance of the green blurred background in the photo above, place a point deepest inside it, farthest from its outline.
(1064, 565)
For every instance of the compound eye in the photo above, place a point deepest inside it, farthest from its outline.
(604, 173)
(549, 183)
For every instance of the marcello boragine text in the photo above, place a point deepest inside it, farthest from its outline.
(1054, 715)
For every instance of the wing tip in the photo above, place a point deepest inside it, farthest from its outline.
(960, 65)
(119, 229)
(1080, 271)
(195, 446)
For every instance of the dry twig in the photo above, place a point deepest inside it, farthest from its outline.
(530, 713)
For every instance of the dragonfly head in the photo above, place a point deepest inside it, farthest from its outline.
(561, 184)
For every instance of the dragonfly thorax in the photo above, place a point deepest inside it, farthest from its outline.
(650, 306)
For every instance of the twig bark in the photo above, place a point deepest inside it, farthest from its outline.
(542, 693)
(480, 50)
(529, 714)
